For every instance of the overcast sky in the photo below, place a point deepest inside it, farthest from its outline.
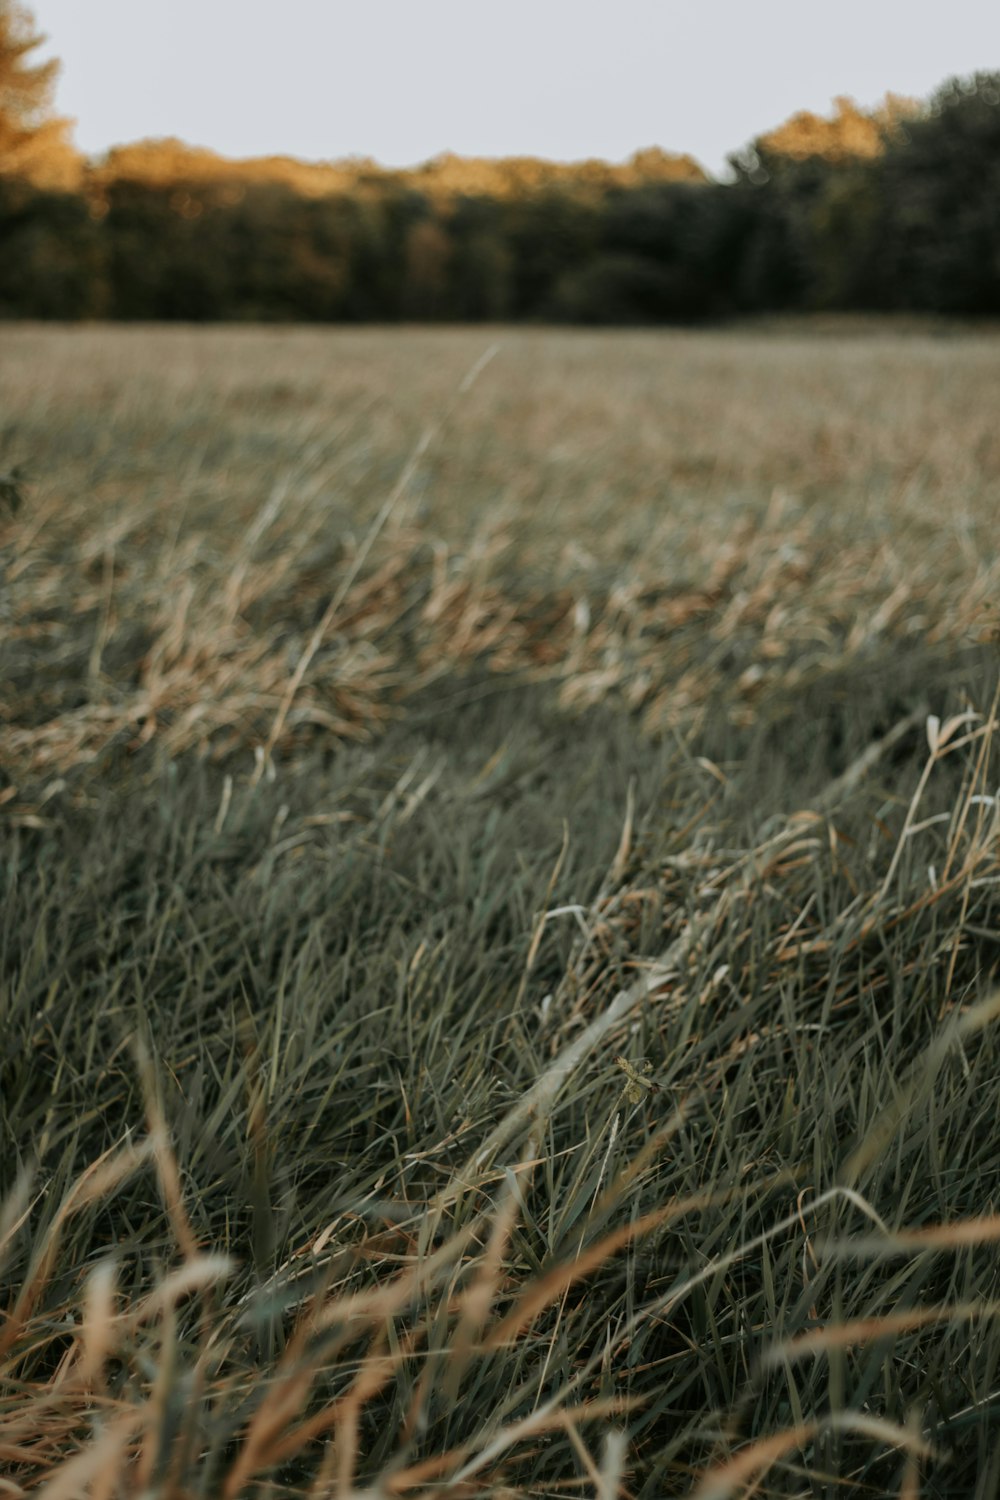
(402, 80)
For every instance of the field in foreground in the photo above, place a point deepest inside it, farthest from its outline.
(396, 728)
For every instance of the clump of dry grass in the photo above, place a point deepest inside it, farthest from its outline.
(134, 614)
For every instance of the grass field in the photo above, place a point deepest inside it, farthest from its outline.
(397, 728)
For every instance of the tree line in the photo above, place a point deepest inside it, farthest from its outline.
(893, 210)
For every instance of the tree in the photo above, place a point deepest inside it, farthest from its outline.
(941, 192)
(34, 143)
(813, 194)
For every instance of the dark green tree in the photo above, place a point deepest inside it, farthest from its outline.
(940, 189)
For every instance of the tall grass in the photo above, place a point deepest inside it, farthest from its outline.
(390, 739)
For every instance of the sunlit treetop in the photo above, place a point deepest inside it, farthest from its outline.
(34, 143)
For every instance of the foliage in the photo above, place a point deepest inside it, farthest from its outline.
(941, 194)
(893, 210)
(33, 144)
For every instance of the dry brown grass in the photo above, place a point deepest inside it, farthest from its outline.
(649, 519)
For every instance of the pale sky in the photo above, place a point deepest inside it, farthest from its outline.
(402, 80)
